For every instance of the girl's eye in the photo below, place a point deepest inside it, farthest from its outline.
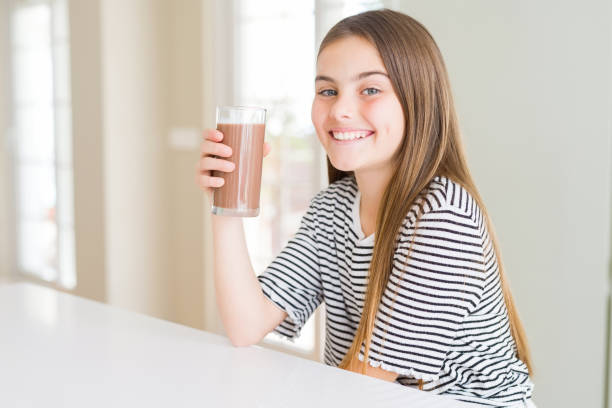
(370, 91)
(327, 92)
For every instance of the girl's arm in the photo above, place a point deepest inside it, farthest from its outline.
(246, 313)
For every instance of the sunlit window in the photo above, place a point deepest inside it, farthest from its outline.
(274, 60)
(279, 81)
(42, 140)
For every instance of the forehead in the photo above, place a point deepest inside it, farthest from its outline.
(347, 56)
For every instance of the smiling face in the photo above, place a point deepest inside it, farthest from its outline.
(355, 112)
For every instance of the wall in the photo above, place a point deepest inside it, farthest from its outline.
(134, 49)
(151, 71)
(532, 87)
(88, 148)
(185, 199)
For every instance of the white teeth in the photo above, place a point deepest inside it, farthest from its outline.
(349, 135)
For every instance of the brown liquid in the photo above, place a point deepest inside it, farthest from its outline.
(242, 186)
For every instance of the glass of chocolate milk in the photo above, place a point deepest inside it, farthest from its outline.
(243, 130)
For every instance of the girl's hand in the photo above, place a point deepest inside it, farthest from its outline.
(212, 152)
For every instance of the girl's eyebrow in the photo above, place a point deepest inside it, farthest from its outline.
(356, 78)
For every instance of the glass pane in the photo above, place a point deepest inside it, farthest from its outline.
(61, 70)
(43, 124)
(60, 20)
(32, 73)
(36, 195)
(345, 8)
(283, 84)
(285, 80)
(67, 267)
(34, 133)
(272, 9)
(37, 249)
(31, 25)
(353, 7)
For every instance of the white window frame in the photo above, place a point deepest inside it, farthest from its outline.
(13, 160)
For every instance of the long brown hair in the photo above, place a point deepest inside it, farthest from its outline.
(431, 147)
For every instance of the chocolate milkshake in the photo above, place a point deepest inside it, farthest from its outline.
(239, 196)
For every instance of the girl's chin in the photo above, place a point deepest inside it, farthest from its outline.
(342, 166)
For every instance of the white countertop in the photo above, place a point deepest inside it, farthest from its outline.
(60, 350)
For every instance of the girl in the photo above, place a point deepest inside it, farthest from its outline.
(399, 246)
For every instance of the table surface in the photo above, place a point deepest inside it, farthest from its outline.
(60, 350)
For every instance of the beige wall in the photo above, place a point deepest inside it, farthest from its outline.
(151, 84)
(532, 86)
(185, 199)
(88, 151)
(134, 78)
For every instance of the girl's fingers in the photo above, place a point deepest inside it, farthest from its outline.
(206, 181)
(213, 134)
(210, 163)
(266, 149)
(210, 148)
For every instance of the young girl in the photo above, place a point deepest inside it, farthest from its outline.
(399, 246)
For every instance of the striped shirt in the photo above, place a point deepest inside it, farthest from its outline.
(442, 317)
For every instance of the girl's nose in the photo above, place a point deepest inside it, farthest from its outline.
(343, 108)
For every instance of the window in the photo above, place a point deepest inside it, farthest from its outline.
(280, 82)
(274, 60)
(39, 56)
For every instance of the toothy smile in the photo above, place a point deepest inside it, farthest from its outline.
(350, 135)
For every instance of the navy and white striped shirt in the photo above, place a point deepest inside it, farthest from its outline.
(442, 318)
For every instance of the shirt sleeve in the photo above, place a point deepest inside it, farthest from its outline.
(429, 294)
(293, 280)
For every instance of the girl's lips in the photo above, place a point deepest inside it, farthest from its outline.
(356, 140)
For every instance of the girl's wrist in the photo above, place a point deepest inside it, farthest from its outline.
(226, 221)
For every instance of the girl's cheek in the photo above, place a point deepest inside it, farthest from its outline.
(318, 113)
(385, 113)
(374, 114)
(376, 106)
(318, 119)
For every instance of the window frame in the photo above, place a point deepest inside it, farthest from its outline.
(13, 162)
